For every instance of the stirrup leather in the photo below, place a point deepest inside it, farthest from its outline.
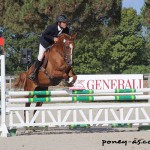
(34, 74)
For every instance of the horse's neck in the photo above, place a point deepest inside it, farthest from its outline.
(57, 48)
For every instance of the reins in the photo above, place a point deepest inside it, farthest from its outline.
(67, 53)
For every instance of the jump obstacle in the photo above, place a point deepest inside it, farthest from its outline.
(72, 107)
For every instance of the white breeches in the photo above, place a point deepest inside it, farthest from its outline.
(41, 52)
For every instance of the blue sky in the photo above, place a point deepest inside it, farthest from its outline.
(136, 4)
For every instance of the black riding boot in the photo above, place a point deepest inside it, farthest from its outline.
(34, 74)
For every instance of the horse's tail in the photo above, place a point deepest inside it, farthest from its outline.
(21, 80)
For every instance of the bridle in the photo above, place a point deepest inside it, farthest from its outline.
(68, 50)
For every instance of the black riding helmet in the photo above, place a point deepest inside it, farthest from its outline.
(61, 18)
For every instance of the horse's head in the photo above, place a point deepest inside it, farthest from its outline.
(67, 42)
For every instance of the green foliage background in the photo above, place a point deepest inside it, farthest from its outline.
(110, 39)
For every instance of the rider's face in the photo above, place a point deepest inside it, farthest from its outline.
(63, 25)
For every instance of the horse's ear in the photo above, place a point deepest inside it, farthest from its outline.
(74, 36)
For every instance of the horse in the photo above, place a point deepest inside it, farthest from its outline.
(56, 66)
(20, 82)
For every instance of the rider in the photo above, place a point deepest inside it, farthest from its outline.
(48, 38)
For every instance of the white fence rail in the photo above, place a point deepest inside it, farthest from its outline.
(70, 113)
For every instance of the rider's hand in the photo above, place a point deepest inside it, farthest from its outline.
(55, 39)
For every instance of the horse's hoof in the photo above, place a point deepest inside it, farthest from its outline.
(71, 84)
(68, 84)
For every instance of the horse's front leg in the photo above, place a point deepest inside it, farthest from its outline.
(73, 75)
(70, 73)
(59, 74)
(62, 72)
(62, 75)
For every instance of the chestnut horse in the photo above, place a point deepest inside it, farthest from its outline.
(56, 66)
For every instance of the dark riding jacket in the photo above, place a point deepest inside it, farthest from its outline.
(47, 37)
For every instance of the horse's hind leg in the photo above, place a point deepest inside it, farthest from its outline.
(39, 104)
(28, 86)
(26, 105)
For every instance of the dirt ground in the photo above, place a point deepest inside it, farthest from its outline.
(104, 140)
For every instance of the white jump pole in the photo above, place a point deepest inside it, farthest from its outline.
(3, 98)
(81, 92)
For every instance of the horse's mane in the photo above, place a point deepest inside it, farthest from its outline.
(61, 37)
(64, 34)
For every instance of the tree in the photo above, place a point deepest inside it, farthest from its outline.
(146, 12)
(24, 21)
(14, 45)
(26, 15)
(1, 11)
(85, 57)
(127, 45)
